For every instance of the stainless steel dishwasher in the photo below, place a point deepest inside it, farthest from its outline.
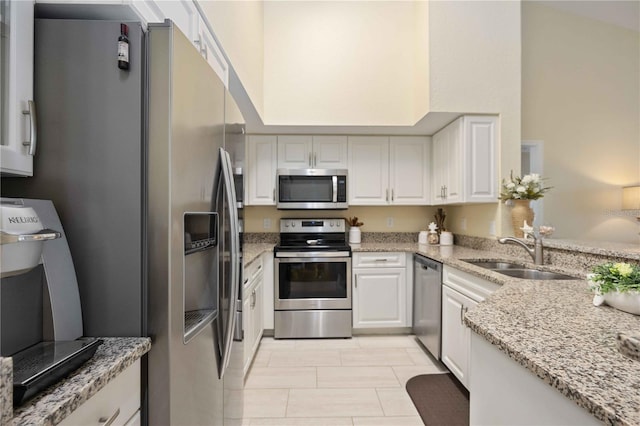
(427, 303)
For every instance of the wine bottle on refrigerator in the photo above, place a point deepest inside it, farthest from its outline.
(123, 47)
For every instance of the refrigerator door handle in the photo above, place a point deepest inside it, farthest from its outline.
(230, 193)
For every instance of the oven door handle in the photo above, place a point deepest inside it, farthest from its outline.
(315, 254)
(334, 181)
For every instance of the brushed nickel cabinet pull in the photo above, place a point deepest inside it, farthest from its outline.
(33, 137)
(104, 421)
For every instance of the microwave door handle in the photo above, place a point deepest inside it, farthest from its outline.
(334, 180)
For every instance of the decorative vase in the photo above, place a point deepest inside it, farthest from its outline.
(520, 212)
(354, 235)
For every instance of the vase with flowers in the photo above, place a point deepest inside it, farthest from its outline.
(518, 192)
(617, 285)
(354, 230)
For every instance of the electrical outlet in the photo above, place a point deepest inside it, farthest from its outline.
(492, 228)
(266, 223)
(389, 222)
(463, 224)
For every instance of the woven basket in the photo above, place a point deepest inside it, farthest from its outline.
(520, 212)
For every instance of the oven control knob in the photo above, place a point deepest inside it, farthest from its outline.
(293, 224)
(286, 223)
(331, 224)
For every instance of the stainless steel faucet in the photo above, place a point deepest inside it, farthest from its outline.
(535, 252)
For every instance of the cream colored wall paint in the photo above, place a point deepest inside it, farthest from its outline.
(239, 26)
(339, 63)
(421, 58)
(581, 96)
(482, 76)
(406, 219)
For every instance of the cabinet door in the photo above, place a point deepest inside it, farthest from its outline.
(454, 156)
(329, 152)
(409, 169)
(261, 170)
(438, 165)
(247, 328)
(118, 401)
(17, 128)
(379, 298)
(456, 337)
(481, 173)
(211, 52)
(294, 152)
(368, 170)
(257, 313)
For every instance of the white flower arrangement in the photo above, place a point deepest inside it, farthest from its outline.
(527, 187)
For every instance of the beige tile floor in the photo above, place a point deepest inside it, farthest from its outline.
(334, 382)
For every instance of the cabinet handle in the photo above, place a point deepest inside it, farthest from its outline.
(463, 310)
(253, 299)
(33, 136)
(387, 195)
(446, 192)
(392, 196)
(315, 159)
(442, 192)
(246, 280)
(310, 163)
(274, 195)
(381, 260)
(108, 421)
(355, 281)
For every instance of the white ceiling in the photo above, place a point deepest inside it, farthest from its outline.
(624, 13)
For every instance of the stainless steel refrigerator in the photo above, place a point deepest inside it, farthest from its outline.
(134, 162)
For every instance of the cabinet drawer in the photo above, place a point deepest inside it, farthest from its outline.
(379, 260)
(121, 395)
(469, 285)
(251, 271)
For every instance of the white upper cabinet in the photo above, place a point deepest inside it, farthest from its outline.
(389, 171)
(368, 170)
(18, 112)
(261, 170)
(409, 169)
(317, 152)
(464, 162)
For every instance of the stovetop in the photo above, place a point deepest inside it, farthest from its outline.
(312, 235)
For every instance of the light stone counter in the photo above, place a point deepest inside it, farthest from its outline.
(56, 402)
(552, 329)
(251, 251)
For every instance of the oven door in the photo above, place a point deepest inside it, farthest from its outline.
(312, 283)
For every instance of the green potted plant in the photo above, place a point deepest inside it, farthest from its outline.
(617, 285)
(354, 230)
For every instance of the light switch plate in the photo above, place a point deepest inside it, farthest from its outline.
(389, 222)
(266, 223)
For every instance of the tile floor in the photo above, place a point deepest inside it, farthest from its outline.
(355, 382)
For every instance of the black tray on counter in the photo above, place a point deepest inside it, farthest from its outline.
(45, 363)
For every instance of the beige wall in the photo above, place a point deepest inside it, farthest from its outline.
(475, 67)
(239, 27)
(581, 96)
(406, 219)
(339, 63)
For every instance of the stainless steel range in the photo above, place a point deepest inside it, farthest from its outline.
(312, 279)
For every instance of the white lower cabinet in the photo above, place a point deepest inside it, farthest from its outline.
(380, 290)
(118, 403)
(252, 310)
(460, 292)
(455, 335)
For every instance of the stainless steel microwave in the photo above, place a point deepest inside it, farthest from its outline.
(318, 189)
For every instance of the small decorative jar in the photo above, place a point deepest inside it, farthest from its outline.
(354, 235)
(433, 238)
(446, 238)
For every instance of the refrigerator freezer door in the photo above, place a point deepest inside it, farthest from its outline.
(186, 125)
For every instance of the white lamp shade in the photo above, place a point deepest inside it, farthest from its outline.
(631, 198)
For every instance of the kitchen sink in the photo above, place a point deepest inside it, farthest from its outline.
(534, 274)
(518, 271)
(494, 265)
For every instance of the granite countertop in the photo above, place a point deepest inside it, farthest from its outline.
(553, 329)
(55, 403)
(251, 251)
